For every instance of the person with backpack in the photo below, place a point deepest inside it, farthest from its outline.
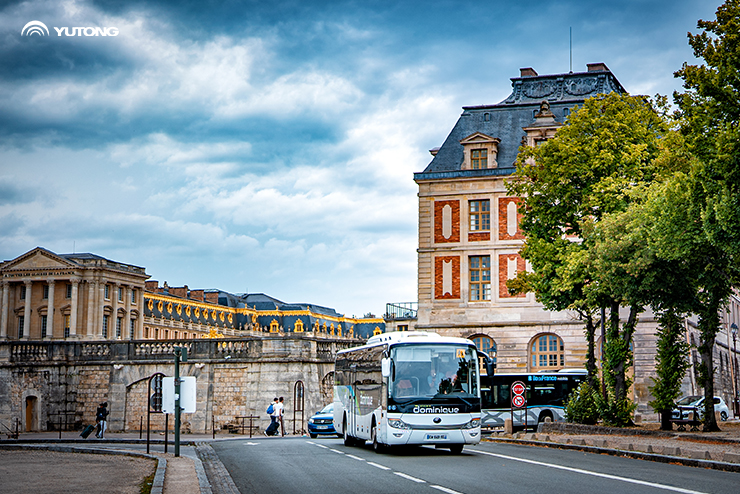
(274, 412)
(101, 417)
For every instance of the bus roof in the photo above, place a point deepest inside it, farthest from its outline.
(394, 337)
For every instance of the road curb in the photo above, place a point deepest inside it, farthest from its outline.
(157, 484)
(691, 462)
(219, 478)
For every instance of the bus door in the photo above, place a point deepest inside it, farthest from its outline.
(353, 403)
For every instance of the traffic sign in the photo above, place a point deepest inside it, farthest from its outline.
(518, 401)
(518, 388)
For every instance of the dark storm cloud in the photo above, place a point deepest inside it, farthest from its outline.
(275, 136)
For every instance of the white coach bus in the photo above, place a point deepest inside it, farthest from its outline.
(408, 388)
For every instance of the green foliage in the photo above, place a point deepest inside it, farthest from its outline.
(582, 406)
(671, 364)
(709, 110)
(616, 412)
(583, 255)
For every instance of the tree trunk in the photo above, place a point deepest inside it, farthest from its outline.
(665, 420)
(593, 379)
(707, 363)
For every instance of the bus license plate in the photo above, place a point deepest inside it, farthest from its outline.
(436, 437)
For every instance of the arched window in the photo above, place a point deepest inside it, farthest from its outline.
(485, 344)
(547, 352)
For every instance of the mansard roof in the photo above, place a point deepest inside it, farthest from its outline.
(507, 119)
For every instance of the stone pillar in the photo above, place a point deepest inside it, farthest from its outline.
(5, 310)
(140, 320)
(90, 330)
(114, 312)
(101, 310)
(50, 310)
(127, 317)
(74, 308)
(27, 309)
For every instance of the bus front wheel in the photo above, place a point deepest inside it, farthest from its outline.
(377, 447)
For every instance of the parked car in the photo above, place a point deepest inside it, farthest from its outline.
(689, 404)
(322, 422)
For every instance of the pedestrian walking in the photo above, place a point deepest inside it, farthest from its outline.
(281, 409)
(274, 414)
(101, 418)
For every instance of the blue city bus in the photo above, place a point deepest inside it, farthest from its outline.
(546, 395)
(408, 388)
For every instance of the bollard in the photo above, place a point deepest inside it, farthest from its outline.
(508, 426)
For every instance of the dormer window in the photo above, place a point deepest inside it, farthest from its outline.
(479, 151)
(478, 159)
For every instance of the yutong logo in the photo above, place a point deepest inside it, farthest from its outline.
(38, 27)
(433, 409)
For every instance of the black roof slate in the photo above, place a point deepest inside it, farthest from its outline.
(506, 120)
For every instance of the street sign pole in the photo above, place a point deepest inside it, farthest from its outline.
(179, 352)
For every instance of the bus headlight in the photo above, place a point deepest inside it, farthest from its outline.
(398, 424)
(472, 424)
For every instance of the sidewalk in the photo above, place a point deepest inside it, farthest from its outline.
(186, 474)
(717, 450)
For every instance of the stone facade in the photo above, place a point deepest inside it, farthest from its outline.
(469, 240)
(41, 383)
(47, 296)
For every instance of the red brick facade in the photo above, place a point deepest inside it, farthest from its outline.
(439, 237)
(503, 203)
(479, 237)
(439, 292)
(503, 272)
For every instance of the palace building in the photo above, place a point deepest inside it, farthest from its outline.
(48, 296)
(469, 238)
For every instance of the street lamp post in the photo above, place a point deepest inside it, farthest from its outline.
(733, 330)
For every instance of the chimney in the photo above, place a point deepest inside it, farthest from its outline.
(196, 295)
(151, 286)
(179, 291)
(212, 297)
(597, 67)
(528, 72)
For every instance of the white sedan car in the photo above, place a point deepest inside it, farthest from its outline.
(689, 404)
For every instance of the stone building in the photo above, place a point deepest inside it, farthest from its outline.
(469, 237)
(79, 329)
(48, 296)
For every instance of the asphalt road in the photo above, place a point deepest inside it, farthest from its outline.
(325, 465)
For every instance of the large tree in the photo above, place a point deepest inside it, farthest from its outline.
(710, 115)
(583, 174)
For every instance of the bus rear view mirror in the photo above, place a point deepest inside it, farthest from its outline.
(385, 367)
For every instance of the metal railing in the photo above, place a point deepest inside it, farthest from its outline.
(401, 311)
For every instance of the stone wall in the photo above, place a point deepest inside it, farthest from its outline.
(234, 378)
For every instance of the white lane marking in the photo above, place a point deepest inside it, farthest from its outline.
(377, 466)
(409, 477)
(322, 446)
(443, 489)
(588, 472)
(336, 451)
(250, 444)
(310, 442)
(356, 457)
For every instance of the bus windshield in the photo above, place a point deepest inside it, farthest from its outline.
(433, 371)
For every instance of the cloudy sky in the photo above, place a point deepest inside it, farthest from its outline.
(270, 146)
